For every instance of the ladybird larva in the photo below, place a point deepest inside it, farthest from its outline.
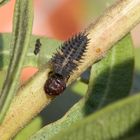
(64, 62)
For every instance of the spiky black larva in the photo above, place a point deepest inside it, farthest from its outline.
(71, 52)
(64, 62)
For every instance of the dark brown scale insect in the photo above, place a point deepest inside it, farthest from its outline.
(64, 62)
(37, 47)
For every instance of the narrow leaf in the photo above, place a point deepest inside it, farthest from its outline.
(136, 81)
(111, 78)
(22, 28)
(137, 58)
(2, 2)
(74, 114)
(112, 122)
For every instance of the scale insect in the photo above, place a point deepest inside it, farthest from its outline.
(64, 62)
(37, 47)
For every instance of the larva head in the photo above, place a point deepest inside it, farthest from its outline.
(55, 85)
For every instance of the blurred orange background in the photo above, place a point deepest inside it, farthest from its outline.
(57, 19)
(53, 18)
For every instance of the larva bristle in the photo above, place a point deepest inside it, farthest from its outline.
(66, 60)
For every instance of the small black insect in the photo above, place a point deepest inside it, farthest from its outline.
(64, 62)
(37, 47)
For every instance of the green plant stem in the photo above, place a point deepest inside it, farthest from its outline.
(116, 22)
(22, 29)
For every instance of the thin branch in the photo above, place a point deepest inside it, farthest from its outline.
(116, 22)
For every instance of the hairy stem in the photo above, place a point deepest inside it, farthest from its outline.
(116, 22)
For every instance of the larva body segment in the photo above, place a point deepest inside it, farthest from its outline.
(64, 62)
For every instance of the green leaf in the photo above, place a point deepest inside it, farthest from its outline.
(2, 78)
(112, 122)
(48, 47)
(4, 50)
(75, 113)
(136, 137)
(2, 2)
(121, 58)
(136, 81)
(95, 7)
(79, 87)
(31, 128)
(22, 29)
(111, 78)
(137, 58)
